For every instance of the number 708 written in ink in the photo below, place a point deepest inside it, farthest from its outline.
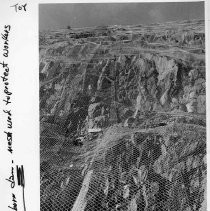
(19, 7)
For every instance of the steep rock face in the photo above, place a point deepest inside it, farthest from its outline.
(122, 111)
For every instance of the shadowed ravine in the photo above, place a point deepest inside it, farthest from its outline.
(123, 118)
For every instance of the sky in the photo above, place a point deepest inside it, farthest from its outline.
(76, 15)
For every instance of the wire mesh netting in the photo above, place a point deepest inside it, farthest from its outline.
(122, 115)
(127, 170)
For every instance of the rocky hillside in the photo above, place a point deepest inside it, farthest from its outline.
(122, 118)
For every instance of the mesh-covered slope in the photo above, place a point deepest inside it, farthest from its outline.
(122, 115)
(146, 167)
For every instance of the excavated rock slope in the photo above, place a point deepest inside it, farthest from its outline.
(122, 114)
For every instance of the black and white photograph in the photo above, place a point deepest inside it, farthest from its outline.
(122, 102)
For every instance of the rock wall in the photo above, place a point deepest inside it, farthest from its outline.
(126, 103)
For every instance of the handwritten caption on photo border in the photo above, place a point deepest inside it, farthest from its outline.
(16, 174)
